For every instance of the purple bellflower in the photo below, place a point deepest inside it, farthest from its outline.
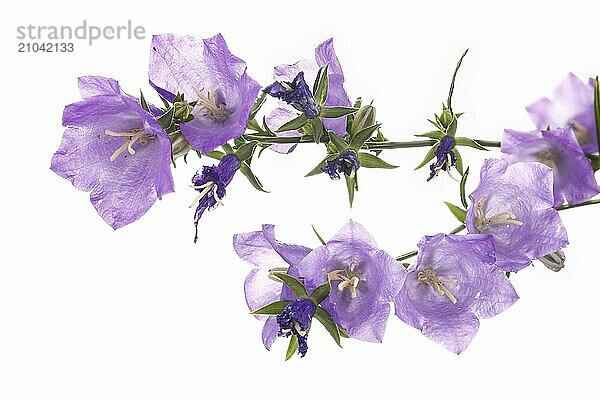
(346, 163)
(206, 72)
(445, 157)
(295, 93)
(453, 283)
(364, 281)
(261, 287)
(574, 180)
(514, 204)
(572, 106)
(295, 320)
(115, 150)
(211, 184)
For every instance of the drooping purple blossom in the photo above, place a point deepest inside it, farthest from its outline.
(336, 94)
(572, 106)
(206, 72)
(445, 157)
(346, 163)
(211, 184)
(364, 281)
(514, 204)
(115, 150)
(574, 180)
(295, 93)
(267, 255)
(454, 283)
(295, 320)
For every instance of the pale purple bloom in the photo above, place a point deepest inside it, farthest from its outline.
(346, 163)
(266, 255)
(364, 280)
(295, 320)
(336, 94)
(514, 204)
(115, 150)
(295, 93)
(211, 184)
(574, 180)
(445, 157)
(453, 284)
(572, 105)
(206, 72)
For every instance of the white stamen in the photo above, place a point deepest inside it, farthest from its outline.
(208, 103)
(482, 223)
(347, 280)
(429, 277)
(207, 188)
(131, 137)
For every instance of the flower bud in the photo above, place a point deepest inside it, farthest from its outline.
(363, 118)
(182, 110)
(446, 118)
(554, 261)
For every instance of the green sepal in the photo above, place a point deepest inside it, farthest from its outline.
(336, 112)
(428, 157)
(337, 141)
(294, 284)
(246, 151)
(320, 293)
(253, 125)
(595, 161)
(294, 124)
(292, 347)
(166, 120)
(143, 102)
(352, 186)
(328, 322)
(317, 170)
(254, 181)
(274, 308)
(597, 108)
(318, 236)
(451, 129)
(464, 141)
(463, 194)
(458, 212)
(318, 129)
(321, 85)
(362, 136)
(372, 161)
(257, 105)
(343, 333)
(459, 161)
(438, 135)
(216, 154)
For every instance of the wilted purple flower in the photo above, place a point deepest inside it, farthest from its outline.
(295, 93)
(454, 282)
(115, 150)
(211, 184)
(573, 105)
(445, 157)
(206, 72)
(295, 320)
(514, 204)
(346, 163)
(364, 281)
(336, 94)
(573, 174)
(267, 255)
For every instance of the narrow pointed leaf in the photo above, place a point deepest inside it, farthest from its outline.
(246, 151)
(351, 185)
(362, 136)
(257, 105)
(273, 308)
(371, 161)
(336, 112)
(294, 124)
(320, 293)
(318, 129)
(292, 347)
(458, 212)
(317, 170)
(166, 119)
(459, 161)
(428, 157)
(338, 142)
(143, 102)
(318, 236)
(294, 284)
(322, 83)
(451, 92)
(245, 169)
(432, 135)
(328, 322)
(464, 141)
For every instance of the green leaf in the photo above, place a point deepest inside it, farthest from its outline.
(166, 119)
(294, 284)
(318, 236)
(451, 130)
(257, 105)
(351, 185)
(362, 136)
(317, 170)
(294, 124)
(273, 308)
(327, 321)
(595, 161)
(336, 112)
(318, 129)
(322, 85)
(432, 135)
(143, 102)
(292, 347)
(246, 151)
(459, 161)
(320, 293)
(428, 157)
(371, 161)
(458, 212)
(463, 183)
(597, 107)
(451, 92)
(337, 141)
(245, 169)
(464, 141)
(343, 333)
(216, 154)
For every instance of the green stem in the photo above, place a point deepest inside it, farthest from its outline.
(413, 253)
(488, 143)
(585, 203)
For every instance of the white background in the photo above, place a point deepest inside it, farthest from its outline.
(143, 313)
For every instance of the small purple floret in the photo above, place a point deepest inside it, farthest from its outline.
(445, 157)
(296, 93)
(295, 320)
(346, 163)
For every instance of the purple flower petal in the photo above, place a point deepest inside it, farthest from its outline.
(274, 120)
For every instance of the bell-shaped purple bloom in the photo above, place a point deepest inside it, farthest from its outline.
(445, 157)
(295, 93)
(364, 281)
(453, 284)
(336, 94)
(346, 163)
(211, 184)
(115, 150)
(267, 255)
(206, 72)
(574, 180)
(514, 204)
(295, 320)
(573, 105)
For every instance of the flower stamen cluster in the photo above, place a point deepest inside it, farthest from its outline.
(482, 223)
(429, 276)
(131, 137)
(210, 106)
